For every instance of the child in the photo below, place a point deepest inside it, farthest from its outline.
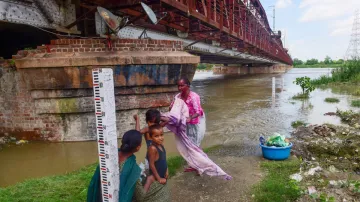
(152, 117)
(157, 157)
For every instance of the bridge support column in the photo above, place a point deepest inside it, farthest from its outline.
(49, 95)
(244, 69)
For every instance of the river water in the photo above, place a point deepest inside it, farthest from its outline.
(238, 110)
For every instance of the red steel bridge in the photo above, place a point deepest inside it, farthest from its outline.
(232, 31)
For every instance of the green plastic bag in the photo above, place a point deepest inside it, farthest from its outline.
(277, 140)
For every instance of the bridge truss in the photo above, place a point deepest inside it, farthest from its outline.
(236, 26)
(240, 25)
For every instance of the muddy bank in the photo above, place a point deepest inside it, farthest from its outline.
(331, 161)
(245, 171)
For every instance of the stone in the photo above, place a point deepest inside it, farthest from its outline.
(297, 177)
(312, 171)
(312, 190)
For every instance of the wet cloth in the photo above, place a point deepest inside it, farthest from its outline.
(196, 132)
(194, 156)
(156, 193)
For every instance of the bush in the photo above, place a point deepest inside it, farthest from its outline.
(349, 72)
(332, 100)
(296, 124)
(300, 96)
(304, 83)
(355, 103)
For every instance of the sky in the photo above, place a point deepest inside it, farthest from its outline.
(314, 28)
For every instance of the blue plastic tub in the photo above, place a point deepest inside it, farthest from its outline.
(276, 153)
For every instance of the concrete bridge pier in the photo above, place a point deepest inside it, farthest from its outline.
(46, 93)
(242, 69)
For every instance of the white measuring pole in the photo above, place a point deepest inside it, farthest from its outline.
(273, 87)
(103, 84)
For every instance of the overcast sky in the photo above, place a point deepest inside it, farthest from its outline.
(314, 28)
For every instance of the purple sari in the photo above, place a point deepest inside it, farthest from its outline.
(193, 154)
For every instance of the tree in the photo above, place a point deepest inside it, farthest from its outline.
(297, 62)
(304, 83)
(340, 61)
(328, 60)
(312, 61)
(201, 66)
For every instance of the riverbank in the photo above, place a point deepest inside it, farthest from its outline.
(319, 66)
(330, 168)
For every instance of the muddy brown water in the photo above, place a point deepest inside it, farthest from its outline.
(238, 110)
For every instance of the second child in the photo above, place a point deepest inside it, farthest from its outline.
(156, 155)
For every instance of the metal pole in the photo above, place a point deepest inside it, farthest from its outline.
(274, 19)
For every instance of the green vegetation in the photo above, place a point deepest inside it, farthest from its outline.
(332, 100)
(355, 103)
(12, 62)
(296, 124)
(350, 72)
(174, 164)
(277, 186)
(314, 63)
(350, 117)
(306, 87)
(68, 187)
(320, 65)
(203, 66)
(300, 96)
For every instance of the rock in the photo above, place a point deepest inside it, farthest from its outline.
(311, 190)
(297, 177)
(333, 169)
(334, 183)
(356, 126)
(312, 171)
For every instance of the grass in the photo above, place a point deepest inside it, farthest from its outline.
(355, 103)
(332, 100)
(296, 124)
(349, 72)
(174, 164)
(301, 96)
(277, 186)
(68, 187)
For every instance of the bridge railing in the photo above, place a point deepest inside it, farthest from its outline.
(239, 23)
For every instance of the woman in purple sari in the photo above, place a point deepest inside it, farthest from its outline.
(177, 120)
(195, 123)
